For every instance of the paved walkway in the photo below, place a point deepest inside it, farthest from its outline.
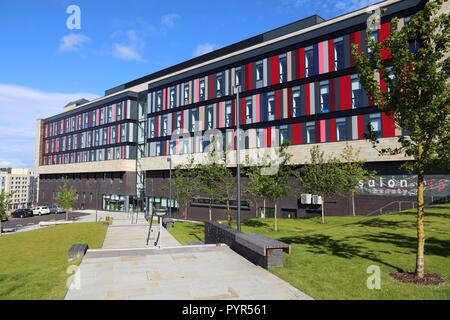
(127, 270)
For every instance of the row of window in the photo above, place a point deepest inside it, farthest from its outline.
(88, 139)
(103, 154)
(101, 116)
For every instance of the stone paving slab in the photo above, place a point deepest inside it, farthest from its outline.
(183, 273)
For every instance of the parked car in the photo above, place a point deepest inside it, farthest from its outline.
(54, 209)
(41, 211)
(22, 213)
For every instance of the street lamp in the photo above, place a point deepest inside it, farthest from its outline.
(238, 156)
(169, 159)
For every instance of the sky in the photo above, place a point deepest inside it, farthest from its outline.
(44, 64)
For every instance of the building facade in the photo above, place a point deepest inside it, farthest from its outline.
(297, 83)
(22, 184)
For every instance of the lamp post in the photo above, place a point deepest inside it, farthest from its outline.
(169, 159)
(238, 156)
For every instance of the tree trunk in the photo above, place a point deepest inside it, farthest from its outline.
(420, 259)
(275, 219)
(323, 210)
(210, 214)
(353, 204)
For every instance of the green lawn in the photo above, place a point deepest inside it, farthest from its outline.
(330, 261)
(33, 264)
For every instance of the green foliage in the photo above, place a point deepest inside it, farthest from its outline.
(185, 183)
(5, 199)
(417, 93)
(66, 196)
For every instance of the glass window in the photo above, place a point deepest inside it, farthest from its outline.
(164, 126)
(309, 61)
(219, 84)
(113, 134)
(102, 116)
(202, 89)
(239, 77)
(210, 116)
(259, 71)
(178, 121)
(283, 68)
(375, 123)
(356, 92)
(339, 58)
(119, 111)
(296, 102)
(271, 107)
(310, 132)
(324, 97)
(186, 93)
(228, 115)
(374, 37)
(249, 110)
(159, 101)
(172, 98)
(152, 128)
(194, 120)
(341, 129)
(284, 135)
(123, 133)
(260, 138)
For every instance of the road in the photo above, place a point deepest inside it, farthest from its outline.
(13, 222)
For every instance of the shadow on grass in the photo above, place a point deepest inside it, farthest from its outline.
(254, 224)
(433, 246)
(385, 224)
(321, 244)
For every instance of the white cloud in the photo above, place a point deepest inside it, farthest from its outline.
(350, 5)
(73, 42)
(21, 107)
(168, 20)
(130, 49)
(205, 48)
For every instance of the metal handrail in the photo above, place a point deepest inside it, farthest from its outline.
(399, 203)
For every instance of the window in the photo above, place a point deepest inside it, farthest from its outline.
(341, 129)
(339, 58)
(164, 126)
(374, 37)
(324, 97)
(283, 68)
(110, 115)
(194, 120)
(375, 123)
(97, 138)
(219, 85)
(310, 132)
(271, 107)
(260, 138)
(158, 148)
(309, 61)
(86, 120)
(123, 133)
(210, 117)
(171, 98)
(102, 116)
(284, 135)
(228, 115)
(186, 92)
(75, 141)
(152, 128)
(113, 134)
(118, 153)
(296, 102)
(178, 121)
(73, 124)
(159, 101)
(119, 111)
(83, 140)
(172, 145)
(356, 92)
(105, 136)
(249, 110)
(239, 81)
(202, 89)
(67, 124)
(259, 71)
(109, 154)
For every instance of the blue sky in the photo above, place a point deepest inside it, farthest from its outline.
(43, 64)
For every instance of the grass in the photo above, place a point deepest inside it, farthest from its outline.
(330, 261)
(33, 264)
(188, 232)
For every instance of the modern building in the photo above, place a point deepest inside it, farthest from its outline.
(22, 184)
(297, 83)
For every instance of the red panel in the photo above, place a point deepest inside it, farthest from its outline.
(361, 128)
(274, 70)
(296, 133)
(182, 120)
(307, 100)
(332, 96)
(387, 125)
(345, 87)
(268, 134)
(355, 38)
(248, 76)
(331, 55)
(277, 105)
(385, 32)
(290, 111)
(318, 130)
(164, 148)
(243, 111)
(211, 87)
(332, 128)
(300, 63)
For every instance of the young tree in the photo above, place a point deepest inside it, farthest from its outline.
(185, 184)
(352, 172)
(253, 187)
(275, 184)
(66, 197)
(321, 176)
(5, 199)
(415, 92)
